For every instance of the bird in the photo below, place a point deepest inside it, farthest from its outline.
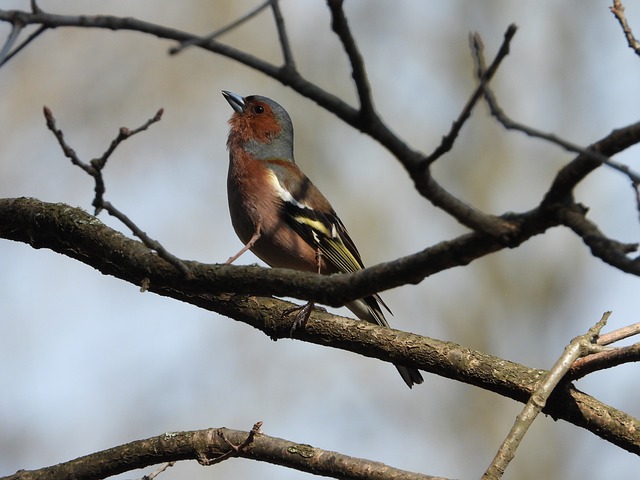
(279, 214)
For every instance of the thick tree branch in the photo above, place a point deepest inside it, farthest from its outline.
(205, 446)
(77, 234)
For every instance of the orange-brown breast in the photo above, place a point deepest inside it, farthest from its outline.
(252, 201)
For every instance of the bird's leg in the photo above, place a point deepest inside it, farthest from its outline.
(303, 315)
(252, 241)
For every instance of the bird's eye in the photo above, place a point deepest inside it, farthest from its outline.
(258, 109)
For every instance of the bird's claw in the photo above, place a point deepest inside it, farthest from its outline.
(301, 318)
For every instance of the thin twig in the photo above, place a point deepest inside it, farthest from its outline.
(158, 471)
(603, 360)
(499, 114)
(26, 42)
(123, 134)
(619, 334)
(340, 26)
(578, 347)
(95, 167)
(287, 52)
(234, 450)
(35, 8)
(618, 11)
(16, 28)
(487, 73)
(200, 41)
(609, 358)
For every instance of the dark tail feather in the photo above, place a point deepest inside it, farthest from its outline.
(369, 310)
(411, 376)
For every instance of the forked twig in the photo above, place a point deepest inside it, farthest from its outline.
(95, 167)
(487, 74)
(608, 358)
(498, 113)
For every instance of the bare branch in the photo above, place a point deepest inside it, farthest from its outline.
(158, 471)
(578, 347)
(487, 74)
(235, 450)
(603, 360)
(16, 28)
(26, 42)
(202, 41)
(340, 26)
(95, 167)
(216, 443)
(510, 124)
(618, 11)
(287, 53)
(619, 334)
(608, 358)
(79, 235)
(608, 250)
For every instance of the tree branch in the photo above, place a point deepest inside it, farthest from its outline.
(206, 446)
(486, 74)
(618, 11)
(201, 41)
(578, 347)
(340, 26)
(75, 233)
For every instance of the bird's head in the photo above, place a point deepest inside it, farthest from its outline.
(260, 126)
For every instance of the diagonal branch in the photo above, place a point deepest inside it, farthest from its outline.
(6, 53)
(340, 26)
(606, 249)
(510, 124)
(285, 45)
(200, 41)
(487, 74)
(618, 11)
(578, 347)
(16, 28)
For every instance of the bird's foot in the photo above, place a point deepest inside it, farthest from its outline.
(301, 318)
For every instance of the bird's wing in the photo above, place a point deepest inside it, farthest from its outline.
(326, 232)
(311, 216)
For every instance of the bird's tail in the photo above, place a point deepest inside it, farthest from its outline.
(368, 309)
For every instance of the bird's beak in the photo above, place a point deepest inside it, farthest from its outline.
(235, 100)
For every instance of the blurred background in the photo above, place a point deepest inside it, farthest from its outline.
(88, 362)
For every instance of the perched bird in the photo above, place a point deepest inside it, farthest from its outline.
(278, 213)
